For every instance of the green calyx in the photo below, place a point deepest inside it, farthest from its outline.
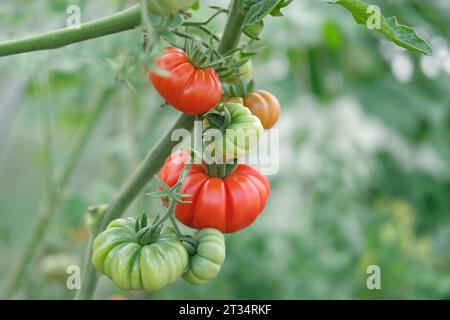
(220, 170)
(219, 118)
(147, 234)
(239, 88)
(231, 131)
(190, 243)
(225, 66)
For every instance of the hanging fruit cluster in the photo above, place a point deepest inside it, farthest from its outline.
(216, 195)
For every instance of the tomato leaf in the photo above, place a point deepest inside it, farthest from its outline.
(403, 36)
(277, 11)
(257, 11)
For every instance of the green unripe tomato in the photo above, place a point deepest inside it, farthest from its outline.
(238, 137)
(168, 7)
(209, 256)
(132, 266)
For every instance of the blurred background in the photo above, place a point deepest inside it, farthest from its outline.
(364, 174)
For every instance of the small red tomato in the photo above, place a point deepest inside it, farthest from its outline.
(228, 204)
(189, 89)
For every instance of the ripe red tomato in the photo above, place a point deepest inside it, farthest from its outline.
(189, 89)
(227, 204)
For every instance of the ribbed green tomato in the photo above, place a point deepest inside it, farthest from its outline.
(168, 7)
(205, 264)
(132, 266)
(237, 138)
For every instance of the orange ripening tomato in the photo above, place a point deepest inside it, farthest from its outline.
(262, 104)
(187, 88)
(228, 204)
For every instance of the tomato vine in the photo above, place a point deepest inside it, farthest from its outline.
(206, 65)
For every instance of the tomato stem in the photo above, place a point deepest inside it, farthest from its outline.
(175, 225)
(220, 170)
(207, 21)
(232, 33)
(121, 21)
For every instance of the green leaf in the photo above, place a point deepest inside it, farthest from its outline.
(277, 11)
(401, 35)
(257, 11)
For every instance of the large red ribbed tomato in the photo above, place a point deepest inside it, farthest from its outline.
(227, 204)
(189, 89)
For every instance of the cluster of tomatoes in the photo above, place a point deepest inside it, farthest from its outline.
(142, 254)
(227, 203)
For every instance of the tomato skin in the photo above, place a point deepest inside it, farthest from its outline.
(210, 254)
(262, 104)
(131, 266)
(168, 7)
(229, 204)
(189, 89)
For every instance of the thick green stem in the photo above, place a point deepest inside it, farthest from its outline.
(232, 33)
(121, 21)
(55, 190)
(155, 158)
(221, 170)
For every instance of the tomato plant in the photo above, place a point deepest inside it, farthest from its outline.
(223, 194)
(228, 204)
(187, 88)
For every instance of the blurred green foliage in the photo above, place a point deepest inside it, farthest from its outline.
(364, 155)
